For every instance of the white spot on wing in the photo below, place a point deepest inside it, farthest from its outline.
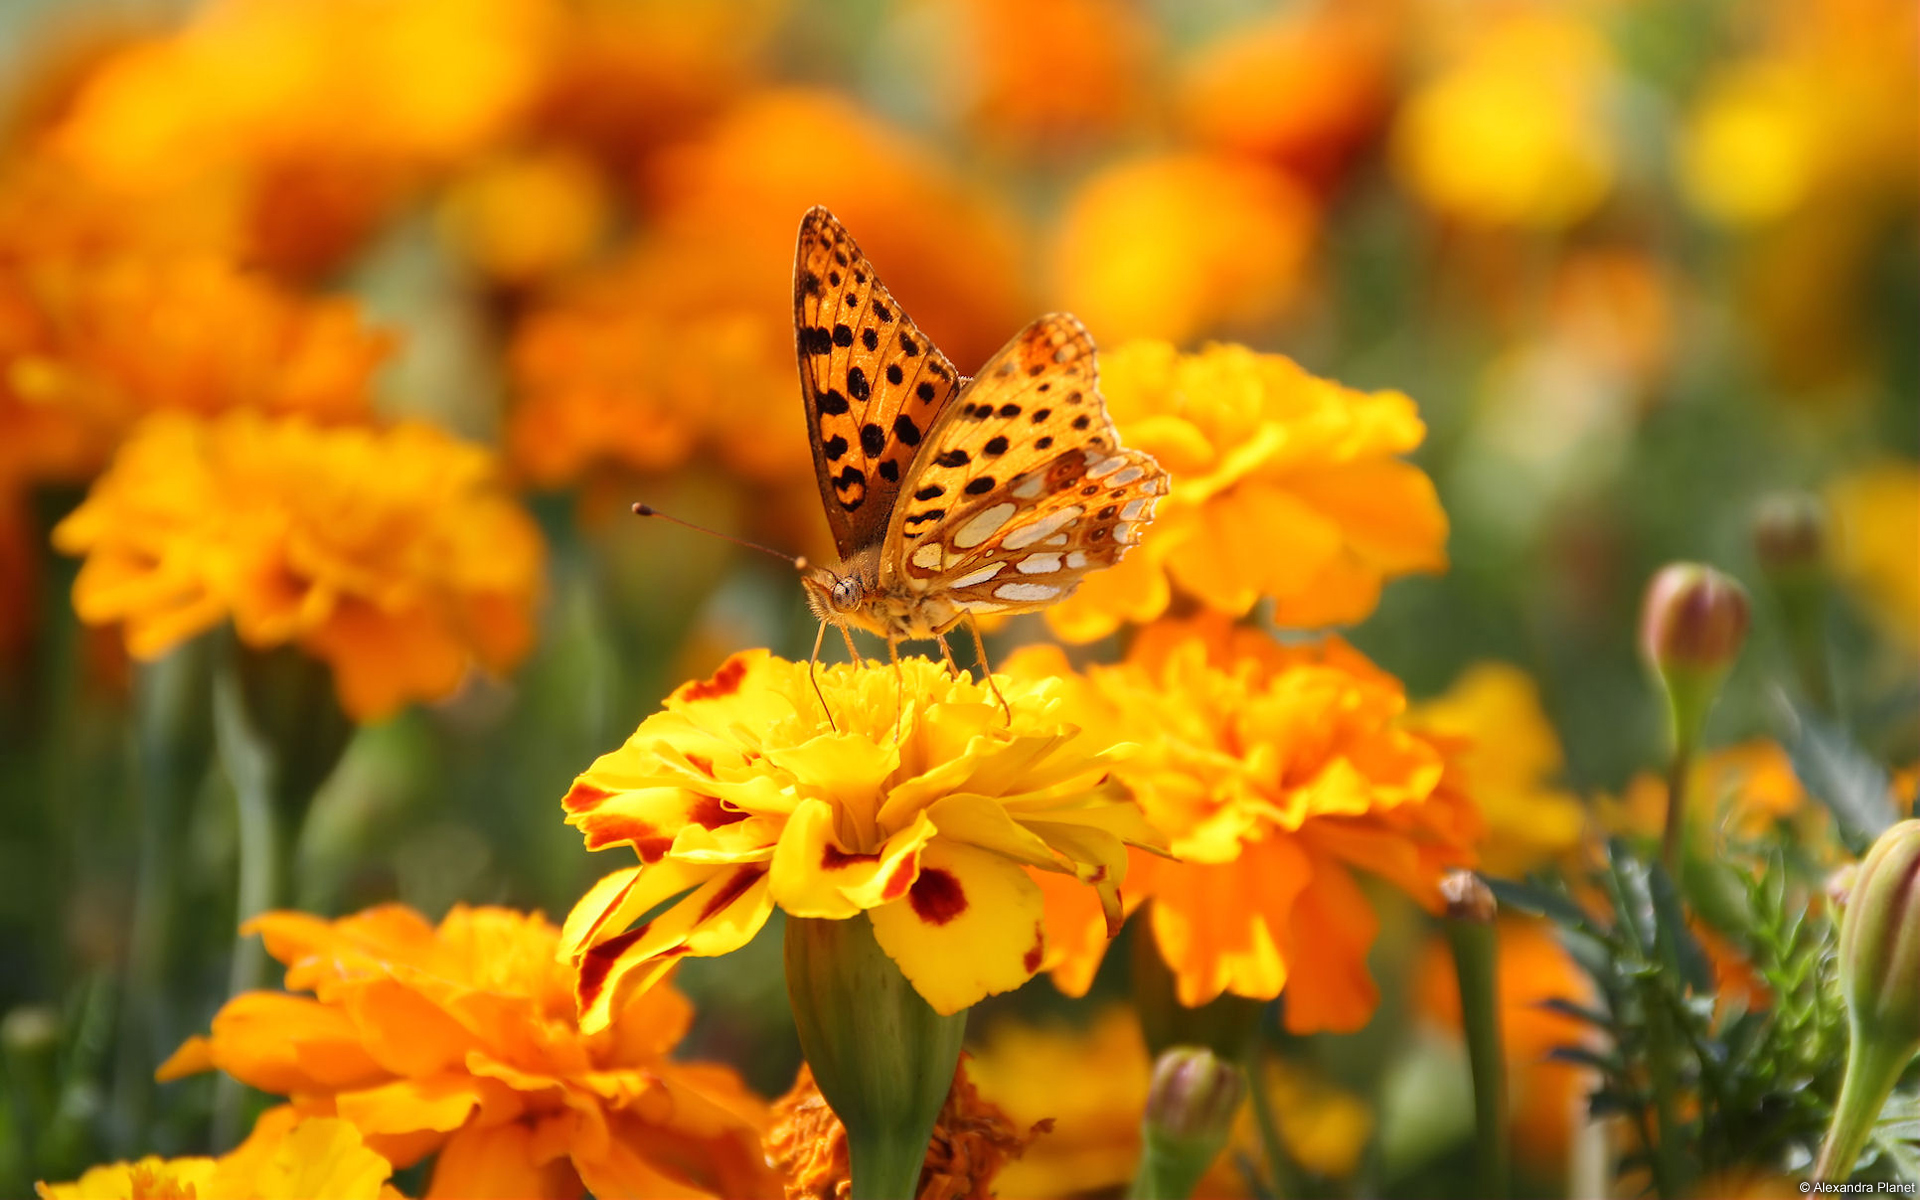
(1135, 509)
(1076, 560)
(1026, 591)
(1038, 564)
(983, 525)
(1106, 467)
(1030, 487)
(981, 606)
(1128, 476)
(1058, 539)
(981, 576)
(1027, 535)
(927, 557)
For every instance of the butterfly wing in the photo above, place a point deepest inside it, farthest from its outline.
(874, 384)
(1023, 487)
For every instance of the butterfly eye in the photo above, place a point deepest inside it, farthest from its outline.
(846, 592)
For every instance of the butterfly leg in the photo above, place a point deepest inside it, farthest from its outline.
(899, 688)
(813, 673)
(946, 652)
(986, 669)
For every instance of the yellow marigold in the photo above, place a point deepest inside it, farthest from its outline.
(520, 218)
(285, 1155)
(1305, 90)
(745, 791)
(687, 342)
(1284, 486)
(1511, 755)
(972, 1140)
(1513, 132)
(392, 555)
(1876, 515)
(1274, 772)
(460, 1040)
(1547, 1098)
(1177, 246)
(89, 343)
(1090, 1086)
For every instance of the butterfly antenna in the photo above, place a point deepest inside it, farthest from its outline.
(647, 510)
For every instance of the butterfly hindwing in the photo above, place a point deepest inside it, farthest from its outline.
(1023, 486)
(875, 386)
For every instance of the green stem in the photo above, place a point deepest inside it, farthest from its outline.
(1668, 1172)
(882, 1057)
(1678, 771)
(1281, 1174)
(1228, 1025)
(1476, 972)
(1872, 1070)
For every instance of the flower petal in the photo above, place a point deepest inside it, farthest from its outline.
(970, 926)
(722, 914)
(500, 1163)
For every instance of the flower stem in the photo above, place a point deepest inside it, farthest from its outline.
(1476, 972)
(1664, 1161)
(1872, 1070)
(1678, 771)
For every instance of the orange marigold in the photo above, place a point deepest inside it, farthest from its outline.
(1275, 772)
(972, 1140)
(393, 555)
(461, 1040)
(1284, 486)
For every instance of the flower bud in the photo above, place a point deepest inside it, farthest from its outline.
(1880, 939)
(1467, 897)
(1191, 1105)
(1789, 532)
(1694, 618)
(1880, 982)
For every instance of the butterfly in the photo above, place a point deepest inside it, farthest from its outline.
(951, 497)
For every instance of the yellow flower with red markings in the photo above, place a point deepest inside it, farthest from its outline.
(1284, 486)
(744, 793)
(285, 1155)
(461, 1040)
(392, 555)
(1275, 772)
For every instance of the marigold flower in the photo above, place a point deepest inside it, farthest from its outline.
(926, 819)
(1511, 753)
(1305, 90)
(91, 342)
(1513, 132)
(1275, 772)
(523, 217)
(1876, 515)
(1546, 1098)
(461, 1040)
(1180, 245)
(686, 343)
(392, 555)
(1284, 486)
(972, 1140)
(285, 1155)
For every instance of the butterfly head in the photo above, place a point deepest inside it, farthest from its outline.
(832, 596)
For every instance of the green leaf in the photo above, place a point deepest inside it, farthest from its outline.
(1680, 949)
(1580, 1056)
(1841, 775)
(1579, 1012)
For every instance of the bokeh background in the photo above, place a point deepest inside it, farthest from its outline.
(1640, 265)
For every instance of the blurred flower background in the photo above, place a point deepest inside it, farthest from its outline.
(337, 336)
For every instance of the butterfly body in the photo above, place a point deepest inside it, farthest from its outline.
(950, 496)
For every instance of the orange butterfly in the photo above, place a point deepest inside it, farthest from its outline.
(949, 496)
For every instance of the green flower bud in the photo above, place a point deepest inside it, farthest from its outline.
(1694, 619)
(882, 1057)
(1789, 533)
(1880, 982)
(1191, 1106)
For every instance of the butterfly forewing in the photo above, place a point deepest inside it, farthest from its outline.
(875, 386)
(1023, 486)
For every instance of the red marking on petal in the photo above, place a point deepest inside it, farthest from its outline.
(1031, 959)
(725, 682)
(937, 896)
(711, 812)
(584, 797)
(901, 878)
(743, 878)
(611, 829)
(598, 962)
(1099, 874)
(833, 858)
(702, 764)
